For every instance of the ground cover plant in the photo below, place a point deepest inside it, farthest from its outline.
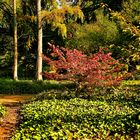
(2, 110)
(105, 116)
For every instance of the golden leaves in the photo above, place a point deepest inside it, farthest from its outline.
(27, 17)
(125, 24)
(60, 16)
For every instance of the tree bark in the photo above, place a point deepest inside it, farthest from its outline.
(39, 57)
(15, 69)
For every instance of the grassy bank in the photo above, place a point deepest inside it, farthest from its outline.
(8, 86)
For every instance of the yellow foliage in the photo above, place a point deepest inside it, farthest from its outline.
(61, 29)
(27, 17)
(125, 24)
(58, 16)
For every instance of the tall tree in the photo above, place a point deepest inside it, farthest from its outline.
(15, 69)
(53, 20)
(39, 57)
(58, 19)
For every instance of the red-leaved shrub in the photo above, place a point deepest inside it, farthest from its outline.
(98, 69)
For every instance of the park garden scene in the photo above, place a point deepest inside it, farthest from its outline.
(69, 70)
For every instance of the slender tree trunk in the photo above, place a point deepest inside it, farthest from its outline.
(39, 57)
(15, 69)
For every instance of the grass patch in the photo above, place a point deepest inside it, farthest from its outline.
(9, 86)
(30, 87)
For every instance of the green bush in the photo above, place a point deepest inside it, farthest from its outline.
(114, 115)
(90, 37)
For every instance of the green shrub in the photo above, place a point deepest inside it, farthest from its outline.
(90, 37)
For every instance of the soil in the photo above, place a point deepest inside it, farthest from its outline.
(9, 123)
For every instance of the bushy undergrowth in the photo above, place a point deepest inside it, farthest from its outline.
(114, 115)
(2, 110)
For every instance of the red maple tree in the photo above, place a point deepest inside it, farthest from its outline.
(98, 69)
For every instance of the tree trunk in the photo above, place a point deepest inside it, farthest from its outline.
(39, 57)
(15, 69)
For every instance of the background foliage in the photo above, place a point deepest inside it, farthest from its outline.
(106, 24)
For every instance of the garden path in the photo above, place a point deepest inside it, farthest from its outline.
(10, 122)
